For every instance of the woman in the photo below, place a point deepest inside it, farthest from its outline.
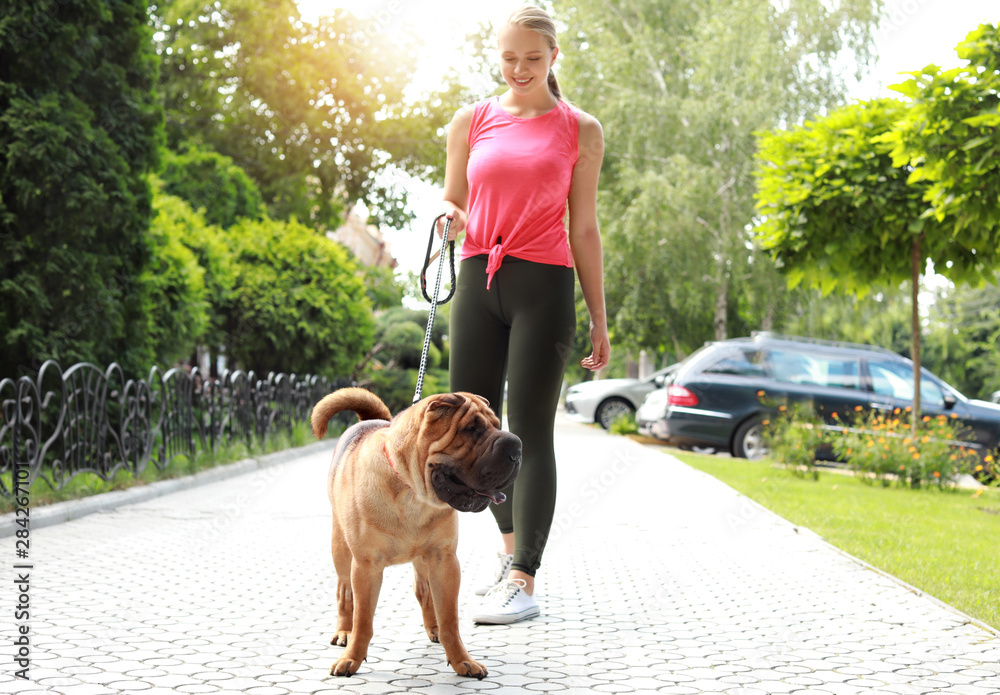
(515, 164)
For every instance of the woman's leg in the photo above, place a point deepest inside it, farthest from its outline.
(478, 350)
(538, 299)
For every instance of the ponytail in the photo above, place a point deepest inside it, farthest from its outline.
(554, 85)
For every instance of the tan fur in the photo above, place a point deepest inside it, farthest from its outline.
(386, 510)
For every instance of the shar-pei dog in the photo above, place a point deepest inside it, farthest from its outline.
(395, 484)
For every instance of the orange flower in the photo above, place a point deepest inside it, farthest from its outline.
(902, 468)
(988, 459)
(925, 439)
(916, 457)
(927, 418)
(781, 407)
(760, 393)
(857, 408)
(881, 440)
(896, 411)
(936, 474)
(833, 415)
(907, 408)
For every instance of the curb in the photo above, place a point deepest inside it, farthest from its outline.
(60, 512)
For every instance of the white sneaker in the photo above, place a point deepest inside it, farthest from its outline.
(506, 603)
(504, 562)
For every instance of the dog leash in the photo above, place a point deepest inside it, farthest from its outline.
(445, 246)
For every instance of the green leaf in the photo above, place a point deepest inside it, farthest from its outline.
(976, 142)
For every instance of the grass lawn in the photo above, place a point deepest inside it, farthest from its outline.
(944, 542)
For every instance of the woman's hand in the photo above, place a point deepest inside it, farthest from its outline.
(457, 217)
(601, 353)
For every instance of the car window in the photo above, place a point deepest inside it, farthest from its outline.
(821, 370)
(896, 381)
(748, 362)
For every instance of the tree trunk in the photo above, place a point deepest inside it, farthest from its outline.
(915, 290)
(721, 300)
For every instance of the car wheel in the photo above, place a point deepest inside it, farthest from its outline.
(748, 442)
(612, 409)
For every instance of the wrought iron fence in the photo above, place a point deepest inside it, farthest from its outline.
(60, 424)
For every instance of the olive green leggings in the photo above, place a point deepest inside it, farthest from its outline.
(520, 330)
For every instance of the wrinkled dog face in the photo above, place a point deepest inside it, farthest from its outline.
(471, 459)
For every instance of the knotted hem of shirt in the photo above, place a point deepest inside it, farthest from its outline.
(493, 263)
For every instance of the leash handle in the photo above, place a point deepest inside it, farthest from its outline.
(450, 245)
(445, 245)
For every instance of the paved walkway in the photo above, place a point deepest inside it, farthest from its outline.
(659, 579)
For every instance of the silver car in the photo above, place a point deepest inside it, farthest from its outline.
(604, 400)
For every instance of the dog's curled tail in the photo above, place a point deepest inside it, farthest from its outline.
(366, 404)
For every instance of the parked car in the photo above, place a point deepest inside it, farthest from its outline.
(604, 400)
(714, 397)
(995, 398)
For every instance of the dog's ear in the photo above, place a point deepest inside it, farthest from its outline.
(446, 400)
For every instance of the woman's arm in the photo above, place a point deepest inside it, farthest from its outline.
(585, 237)
(456, 181)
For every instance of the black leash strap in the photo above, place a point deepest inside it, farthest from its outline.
(445, 246)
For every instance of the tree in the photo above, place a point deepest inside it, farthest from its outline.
(678, 198)
(862, 195)
(210, 247)
(312, 112)
(299, 301)
(950, 136)
(178, 316)
(836, 211)
(79, 127)
(211, 182)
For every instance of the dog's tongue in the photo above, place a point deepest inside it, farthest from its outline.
(497, 497)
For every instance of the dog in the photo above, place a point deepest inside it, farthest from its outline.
(395, 485)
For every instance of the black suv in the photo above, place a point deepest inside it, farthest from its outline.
(714, 398)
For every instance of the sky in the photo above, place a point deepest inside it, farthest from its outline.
(914, 33)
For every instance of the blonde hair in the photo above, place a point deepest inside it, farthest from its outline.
(539, 21)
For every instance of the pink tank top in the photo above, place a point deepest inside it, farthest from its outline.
(519, 178)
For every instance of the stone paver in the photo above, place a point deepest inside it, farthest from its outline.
(658, 579)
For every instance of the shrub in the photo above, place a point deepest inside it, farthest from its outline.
(624, 424)
(794, 436)
(883, 446)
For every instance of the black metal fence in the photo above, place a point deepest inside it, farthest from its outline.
(60, 424)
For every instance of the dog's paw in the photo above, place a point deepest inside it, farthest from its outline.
(345, 667)
(470, 668)
(432, 634)
(341, 639)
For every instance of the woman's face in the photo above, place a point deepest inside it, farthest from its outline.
(525, 59)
